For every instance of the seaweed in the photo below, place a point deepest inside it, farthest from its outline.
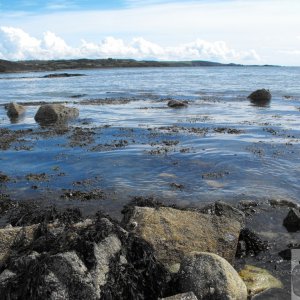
(250, 244)
(142, 278)
(31, 213)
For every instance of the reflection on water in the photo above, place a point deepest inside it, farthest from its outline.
(219, 147)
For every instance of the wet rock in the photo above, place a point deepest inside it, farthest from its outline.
(296, 279)
(258, 280)
(292, 220)
(93, 259)
(53, 113)
(103, 252)
(284, 203)
(69, 276)
(59, 75)
(210, 276)
(177, 104)
(272, 294)
(3, 178)
(286, 254)
(250, 244)
(9, 237)
(228, 211)
(184, 296)
(260, 97)
(15, 110)
(173, 233)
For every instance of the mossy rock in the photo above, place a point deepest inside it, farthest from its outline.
(258, 280)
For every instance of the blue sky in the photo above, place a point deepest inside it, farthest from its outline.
(242, 31)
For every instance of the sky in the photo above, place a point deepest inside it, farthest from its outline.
(238, 31)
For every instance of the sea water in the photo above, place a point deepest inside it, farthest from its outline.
(219, 147)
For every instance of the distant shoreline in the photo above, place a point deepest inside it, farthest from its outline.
(77, 64)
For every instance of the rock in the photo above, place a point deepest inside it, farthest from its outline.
(292, 220)
(286, 254)
(53, 113)
(260, 97)
(258, 280)
(273, 294)
(228, 211)
(296, 279)
(210, 276)
(103, 252)
(284, 203)
(15, 110)
(10, 236)
(184, 296)
(59, 75)
(173, 233)
(69, 276)
(250, 244)
(3, 178)
(177, 104)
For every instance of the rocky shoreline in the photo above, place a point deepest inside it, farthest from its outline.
(156, 251)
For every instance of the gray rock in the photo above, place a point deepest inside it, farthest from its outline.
(228, 211)
(210, 276)
(173, 233)
(103, 252)
(5, 278)
(10, 236)
(273, 294)
(69, 276)
(53, 113)
(184, 296)
(260, 97)
(15, 110)
(284, 203)
(177, 104)
(292, 220)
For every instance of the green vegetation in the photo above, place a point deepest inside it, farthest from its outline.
(75, 64)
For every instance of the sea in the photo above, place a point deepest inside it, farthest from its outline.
(128, 143)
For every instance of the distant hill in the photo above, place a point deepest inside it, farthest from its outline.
(76, 64)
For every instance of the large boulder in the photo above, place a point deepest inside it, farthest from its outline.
(15, 110)
(53, 113)
(260, 97)
(174, 233)
(258, 280)
(210, 276)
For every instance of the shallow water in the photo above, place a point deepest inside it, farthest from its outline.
(142, 147)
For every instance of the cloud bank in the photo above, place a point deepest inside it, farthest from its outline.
(16, 44)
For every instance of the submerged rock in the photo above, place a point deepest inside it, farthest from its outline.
(292, 220)
(258, 280)
(177, 103)
(53, 113)
(210, 276)
(174, 233)
(260, 97)
(15, 110)
(59, 75)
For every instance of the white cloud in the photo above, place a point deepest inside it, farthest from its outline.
(16, 44)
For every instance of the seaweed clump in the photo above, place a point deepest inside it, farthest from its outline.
(61, 260)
